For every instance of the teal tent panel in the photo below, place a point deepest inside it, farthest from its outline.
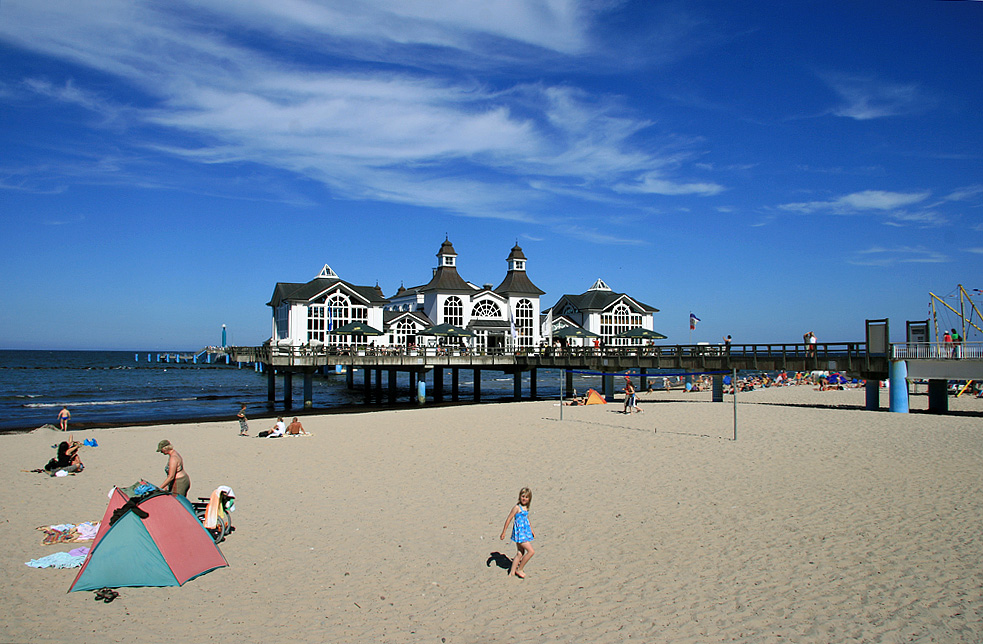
(125, 556)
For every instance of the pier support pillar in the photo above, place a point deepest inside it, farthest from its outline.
(532, 384)
(455, 378)
(899, 386)
(288, 390)
(517, 385)
(643, 382)
(607, 384)
(378, 384)
(412, 377)
(938, 396)
(477, 385)
(872, 395)
(438, 384)
(568, 375)
(392, 386)
(717, 388)
(350, 376)
(308, 390)
(367, 381)
(271, 384)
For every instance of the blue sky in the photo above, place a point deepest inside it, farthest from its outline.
(772, 167)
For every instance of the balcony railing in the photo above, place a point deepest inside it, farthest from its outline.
(937, 351)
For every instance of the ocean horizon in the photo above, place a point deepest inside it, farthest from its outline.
(119, 388)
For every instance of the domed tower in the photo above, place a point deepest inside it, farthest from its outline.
(523, 297)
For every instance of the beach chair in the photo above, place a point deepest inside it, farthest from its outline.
(215, 512)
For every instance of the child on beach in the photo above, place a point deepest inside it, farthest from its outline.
(243, 425)
(522, 533)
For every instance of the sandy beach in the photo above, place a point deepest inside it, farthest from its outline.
(821, 523)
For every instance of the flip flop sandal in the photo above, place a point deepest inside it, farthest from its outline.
(111, 596)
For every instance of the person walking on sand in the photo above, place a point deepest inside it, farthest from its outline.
(522, 533)
(177, 481)
(631, 397)
(63, 417)
(243, 421)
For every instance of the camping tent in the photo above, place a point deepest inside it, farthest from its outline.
(594, 398)
(167, 547)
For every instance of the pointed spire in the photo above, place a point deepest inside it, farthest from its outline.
(327, 272)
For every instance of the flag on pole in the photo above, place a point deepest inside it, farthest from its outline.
(548, 328)
(515, 334)
(330, 320)
(692, 321)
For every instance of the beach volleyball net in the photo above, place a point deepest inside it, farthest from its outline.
(718, 420)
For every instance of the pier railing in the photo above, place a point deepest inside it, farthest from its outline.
(937, 351)
(845, 355)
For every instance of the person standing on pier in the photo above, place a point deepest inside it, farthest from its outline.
(63, 417)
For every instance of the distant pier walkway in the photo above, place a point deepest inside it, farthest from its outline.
(935, 362)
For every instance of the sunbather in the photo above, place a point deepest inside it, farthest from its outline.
(67, 459)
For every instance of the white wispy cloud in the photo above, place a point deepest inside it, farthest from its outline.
(885, 256)
(865, 98)
(866, 200)
(403, 129)
(653, 183)
(967, 193)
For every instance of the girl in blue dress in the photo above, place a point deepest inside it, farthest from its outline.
(522, 533)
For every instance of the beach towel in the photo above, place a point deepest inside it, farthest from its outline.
(68, 532)
(215, 508)
(57, 560)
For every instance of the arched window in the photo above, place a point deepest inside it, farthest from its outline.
(454, 311)
(523, 322)
(403, 333)
(340, 311)
(486, 309)
(616, 321)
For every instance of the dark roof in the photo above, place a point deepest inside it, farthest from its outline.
(518, 282)
(305, 292)
(446, 249)
(445, 279)
(516, 253)
(600, 300)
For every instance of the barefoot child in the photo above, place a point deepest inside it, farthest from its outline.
(522, 533)
(243, 421)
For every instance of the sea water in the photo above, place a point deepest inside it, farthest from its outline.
(112, 388)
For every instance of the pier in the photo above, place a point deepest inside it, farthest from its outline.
(931, 361)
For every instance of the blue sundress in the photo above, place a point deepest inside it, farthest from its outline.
(521, 531)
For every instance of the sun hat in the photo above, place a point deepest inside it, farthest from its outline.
(161, 445)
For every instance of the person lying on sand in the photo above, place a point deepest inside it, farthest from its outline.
(296, 429)
(277, 431)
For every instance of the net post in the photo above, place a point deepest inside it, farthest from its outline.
(733, 383)
(561, 372)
